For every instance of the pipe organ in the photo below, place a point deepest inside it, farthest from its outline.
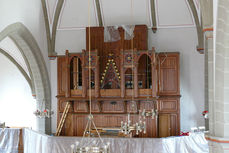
(126, 78)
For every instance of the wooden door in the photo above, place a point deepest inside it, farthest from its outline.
(168, 125)
(169, 74)
(164, 125)
(62, 74)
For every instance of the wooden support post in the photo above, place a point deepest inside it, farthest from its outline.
(135, 81)
(68, 90)
(122, 74)
(84, 86)
(122, 82)
(154, 74)
(97, 82)
(75, 73)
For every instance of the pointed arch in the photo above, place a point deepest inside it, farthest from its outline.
(19, 68)
(32, 53)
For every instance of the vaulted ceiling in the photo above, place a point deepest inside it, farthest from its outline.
(75, 14)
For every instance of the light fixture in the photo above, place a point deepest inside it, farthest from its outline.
(42, 112)
(127, 128)
(75, 148)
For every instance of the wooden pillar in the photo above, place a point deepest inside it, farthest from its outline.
(75, 73)
(68, 90)
(84, 86)
(154, 80)
(122, 82)
(97, 82)
(122, 74)
(154, 74)
(135, 69)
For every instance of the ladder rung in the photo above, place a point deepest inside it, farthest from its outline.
(63, 118)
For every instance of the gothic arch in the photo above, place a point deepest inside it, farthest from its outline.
(32, 53)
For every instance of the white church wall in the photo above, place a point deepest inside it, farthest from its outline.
(29, 13)
(16, 101)
(184, 40)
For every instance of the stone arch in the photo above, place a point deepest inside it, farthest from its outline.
(32, 53)
(19, 68)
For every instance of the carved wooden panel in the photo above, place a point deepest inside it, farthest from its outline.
(174, 125)
(62, 74)
(169, 105)
(169, 83)
(132, 106)
(81, 107)
(61, 105)
(110, 92)
(147, 105)
(164, 124)
(168, 125)
(113, 107)
(79, 122)
(77, 93)
(96, 107)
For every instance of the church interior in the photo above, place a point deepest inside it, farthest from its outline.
(114, 76)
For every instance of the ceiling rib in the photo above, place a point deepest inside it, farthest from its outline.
(47, 27)
(99, 13)
(153, 15)
(199, 28)
(51, 40)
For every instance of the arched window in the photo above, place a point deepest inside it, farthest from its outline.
(144, 72)
(76, 73)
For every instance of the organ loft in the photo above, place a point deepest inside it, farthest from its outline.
(125, 78)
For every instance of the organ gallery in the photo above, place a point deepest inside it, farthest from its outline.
(125, 78)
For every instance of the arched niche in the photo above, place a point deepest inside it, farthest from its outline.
(144, 72)
(129, 79)
(75, 73)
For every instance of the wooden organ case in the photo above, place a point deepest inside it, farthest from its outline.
(120, 77)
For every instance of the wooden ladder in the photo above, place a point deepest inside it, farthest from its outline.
(63, 118)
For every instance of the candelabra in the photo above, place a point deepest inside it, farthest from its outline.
(89, 149)
(2, 125)
(79, 148)
(42, 114)
(127, 127)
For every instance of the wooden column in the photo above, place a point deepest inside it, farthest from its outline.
(154, 74)
(97, 82)
(84, 86)
(122, 74)
(122, 82)
(68, 90)
(135, 69)
(154, 79)
(75, 73)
